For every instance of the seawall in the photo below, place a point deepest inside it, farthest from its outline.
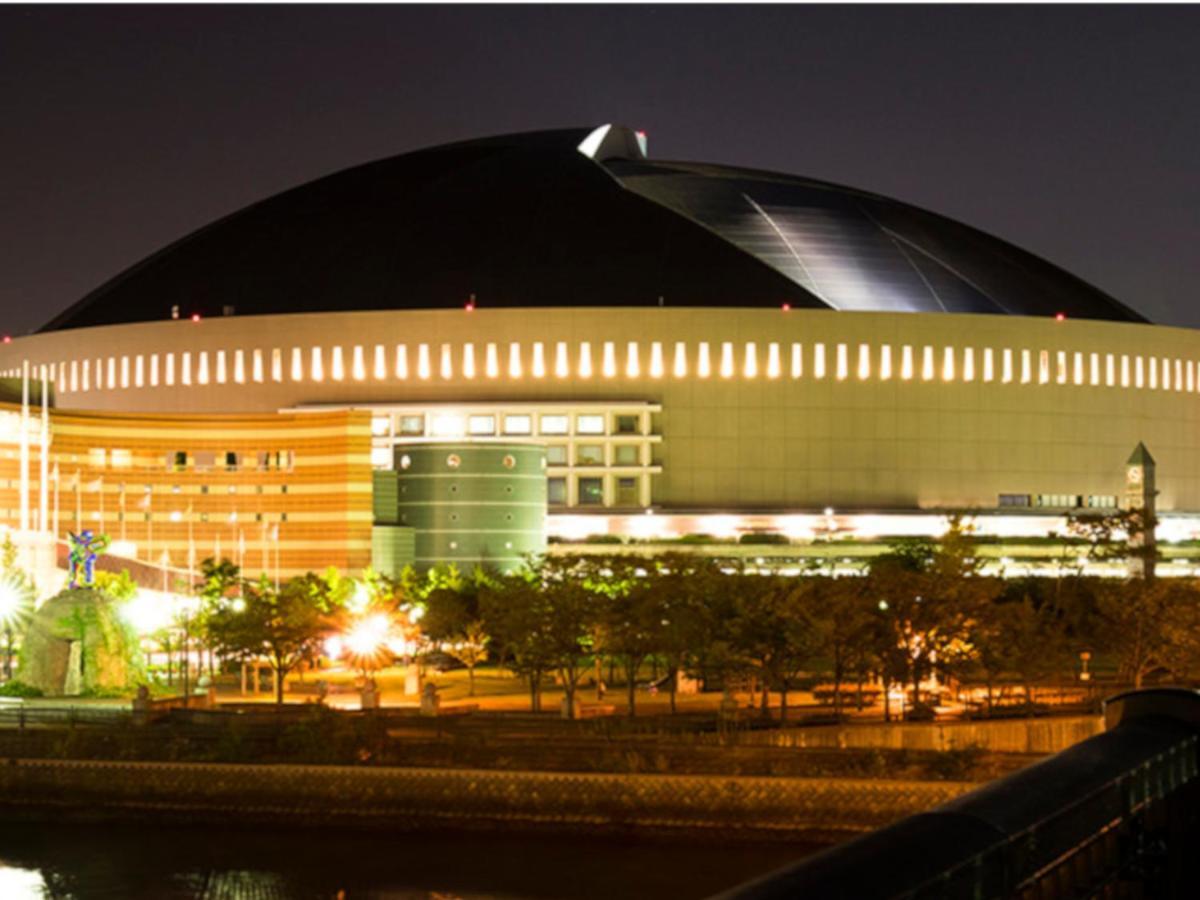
(402, 798)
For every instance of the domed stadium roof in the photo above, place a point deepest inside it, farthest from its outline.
(580, 217)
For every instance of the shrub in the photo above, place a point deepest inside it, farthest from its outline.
(19, 689)
(764, 537)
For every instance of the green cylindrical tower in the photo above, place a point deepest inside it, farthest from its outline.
(473, 503)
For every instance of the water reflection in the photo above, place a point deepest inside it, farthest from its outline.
(45, 860)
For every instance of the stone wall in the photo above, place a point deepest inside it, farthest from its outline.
(408, 798)
(1048, 735)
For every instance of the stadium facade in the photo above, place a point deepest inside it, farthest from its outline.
(689, 348)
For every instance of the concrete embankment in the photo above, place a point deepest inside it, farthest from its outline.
(401, 798)
(1043, 736)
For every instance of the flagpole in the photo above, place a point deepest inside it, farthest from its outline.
(57, 483)
(24, 448)
(44, 467)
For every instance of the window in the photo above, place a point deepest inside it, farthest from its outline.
(1102, 502)
(412, 425)
(122, 459)
(229, 459)
(1014, 500)
(626, 455)
(554, 424)
(96, 457)
(381, 426)
(518, 424)
(591, 491)
(556, 455)
(481, 425)
(589, 455)
(627, 425)
(627, 492)
(1059, 501)
(381, 457)
(204, 459)
(587, 424)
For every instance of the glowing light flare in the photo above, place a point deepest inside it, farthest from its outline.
(368, 636)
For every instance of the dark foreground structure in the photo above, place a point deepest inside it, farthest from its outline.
(1117, 815)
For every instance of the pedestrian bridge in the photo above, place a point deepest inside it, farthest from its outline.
(1115, 816)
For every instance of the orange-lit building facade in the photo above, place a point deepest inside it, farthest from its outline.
(280, 493)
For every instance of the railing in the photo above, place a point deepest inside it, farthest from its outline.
(1117, 815)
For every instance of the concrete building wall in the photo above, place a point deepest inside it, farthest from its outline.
(797, 410)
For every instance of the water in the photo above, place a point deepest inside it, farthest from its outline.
(82, 862)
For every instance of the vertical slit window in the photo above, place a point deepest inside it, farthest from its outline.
(185, 368)
(139, 371)
(491, 362)
(703, 364)
(468, 360)
(1110, 370)
(562, 361)
(773, 364)
(446, 364)
(680, 367)
(380, 362)
(1094, 360)
(927, 365)
(514, 360)
(1077, 368)
(169, 369)
(585, 359)
(818, 360)
(1124, 370)
(633, 365)
(424, 368)
(906, 362)
(609, 365)
(726, 359)
(797, 360)
(948, 364)
(885, 362)
(1044, 367)
(750, 360)
(317, 366)
(968, 367)
(358, 364)
(989, 364)
(841, 362)
(537, 366)
(297, 365)
(220, 367)
(656, 359)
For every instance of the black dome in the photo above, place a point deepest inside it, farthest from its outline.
(580, 218)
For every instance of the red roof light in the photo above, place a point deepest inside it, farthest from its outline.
(1060, 317)
(787, 307)
(195, 317)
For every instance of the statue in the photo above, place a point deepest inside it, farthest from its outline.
(81, 562)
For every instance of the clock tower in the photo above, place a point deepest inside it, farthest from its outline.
(1139, 495)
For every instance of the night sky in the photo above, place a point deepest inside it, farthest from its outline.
(1071, 131)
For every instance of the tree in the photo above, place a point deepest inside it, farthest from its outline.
(286, 626)
(1139, 622)
(630, 612)
(1018, 636)
(513, 612)
(928, 595)
(470, 649)
(773, 629)
(843, 617)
